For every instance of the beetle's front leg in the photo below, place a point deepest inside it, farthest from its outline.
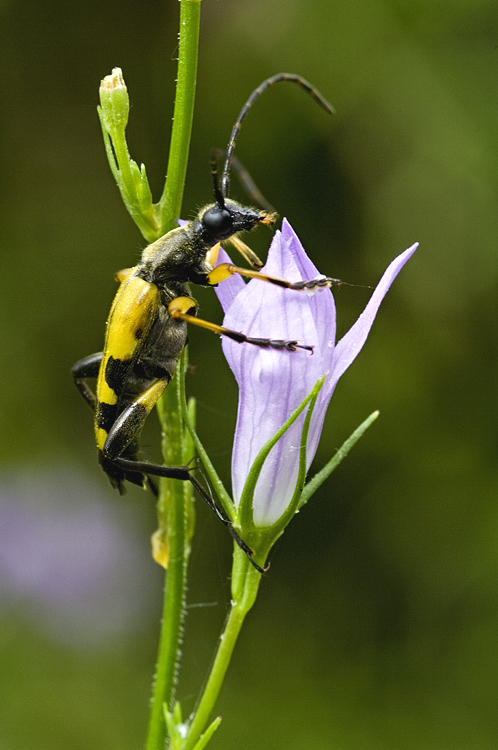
(184, 307)
(225, 270)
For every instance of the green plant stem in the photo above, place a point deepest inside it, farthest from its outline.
(169, 643)
(243, 597)
(170, 203)
(174, 495)
(173, 518)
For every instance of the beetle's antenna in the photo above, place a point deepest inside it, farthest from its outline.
(218, 195)
(245, 180)
(293, 78)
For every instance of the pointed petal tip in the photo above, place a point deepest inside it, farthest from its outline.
(409, 252)
(352, 342)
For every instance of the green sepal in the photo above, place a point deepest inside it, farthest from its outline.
(334, 462)
(204, 738)
(245, 507)
(224, 498)
(175, 726)
(294, 504)
(142, 192)
(188, 455)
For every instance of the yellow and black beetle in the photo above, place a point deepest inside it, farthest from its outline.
(147, 325)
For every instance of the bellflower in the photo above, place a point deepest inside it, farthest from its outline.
(273, 383)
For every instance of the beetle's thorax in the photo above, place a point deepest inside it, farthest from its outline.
(178, 256)
(182, 254)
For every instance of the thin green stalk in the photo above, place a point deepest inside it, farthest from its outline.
(170, 203)
(239, 609)
(173, 518)
(174, 495)
(169, 645)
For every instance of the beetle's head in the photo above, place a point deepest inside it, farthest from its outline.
(220, 222)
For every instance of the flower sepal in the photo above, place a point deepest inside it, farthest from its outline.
(178, 730)
(262, 538)
(319, 478)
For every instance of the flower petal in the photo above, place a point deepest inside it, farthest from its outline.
(352, 342)
(230, 288)
(272, 383)
(348, 348)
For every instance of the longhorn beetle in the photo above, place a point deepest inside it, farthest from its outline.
(147, 325)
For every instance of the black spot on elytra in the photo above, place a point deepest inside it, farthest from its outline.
(115, 374)
(106, 416)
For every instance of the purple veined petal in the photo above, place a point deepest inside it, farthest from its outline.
(352, 342)
(227, 290)
(273, 383)
(348, 348)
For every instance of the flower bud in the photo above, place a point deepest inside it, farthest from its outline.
(114, 101)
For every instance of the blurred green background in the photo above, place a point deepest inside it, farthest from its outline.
(377, 627)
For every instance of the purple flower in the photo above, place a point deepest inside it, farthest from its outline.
(273, 383)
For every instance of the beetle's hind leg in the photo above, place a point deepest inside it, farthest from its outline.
(155, 470)
(124, 431)
(183, 472)
(88, 367)
(224, 519)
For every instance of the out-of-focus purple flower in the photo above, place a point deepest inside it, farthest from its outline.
(273, 383)
(70, 561)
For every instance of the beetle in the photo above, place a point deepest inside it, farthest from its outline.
(147, 325)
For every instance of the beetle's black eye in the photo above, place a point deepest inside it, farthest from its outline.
(219, 222)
